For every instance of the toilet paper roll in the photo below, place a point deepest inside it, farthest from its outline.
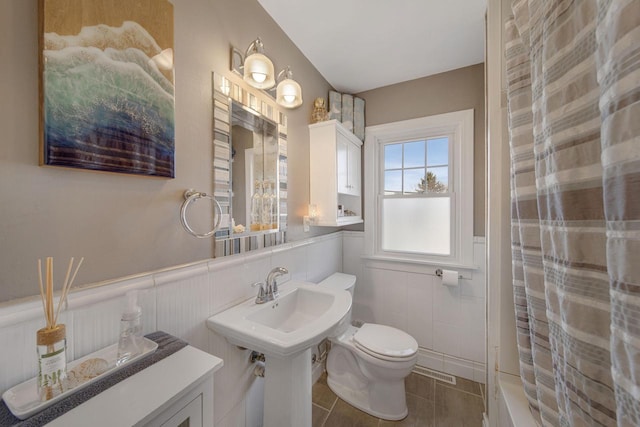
(450, 278)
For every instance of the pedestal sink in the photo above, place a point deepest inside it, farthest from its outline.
(284, 330)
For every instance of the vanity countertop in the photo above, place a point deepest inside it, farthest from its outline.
(132, 396)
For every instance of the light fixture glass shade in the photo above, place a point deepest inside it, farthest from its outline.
(259, 71)
(289, 93)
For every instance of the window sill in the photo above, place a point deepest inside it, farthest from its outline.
(422, 264)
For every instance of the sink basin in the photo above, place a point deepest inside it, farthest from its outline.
(302, 316)
(285, 330)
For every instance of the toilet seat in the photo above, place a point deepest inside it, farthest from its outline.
(384, 342)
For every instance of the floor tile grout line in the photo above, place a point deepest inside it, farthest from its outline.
(324, 422)
(457, 389)
(334, 404)
(418, 396)
(330, 411)
(433, 408)
(319, 406)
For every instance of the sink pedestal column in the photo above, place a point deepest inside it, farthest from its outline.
(287, 391)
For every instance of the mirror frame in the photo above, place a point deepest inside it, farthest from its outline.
(224, 92)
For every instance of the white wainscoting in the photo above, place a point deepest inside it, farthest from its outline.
(448, 323)
(176, 300)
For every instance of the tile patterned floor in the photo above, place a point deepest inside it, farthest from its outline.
(431, 403)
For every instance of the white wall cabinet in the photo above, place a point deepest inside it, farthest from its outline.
(335, 174)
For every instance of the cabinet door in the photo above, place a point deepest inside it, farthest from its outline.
(354, 162)
(348, 166)
(189, 416)
(342, 164)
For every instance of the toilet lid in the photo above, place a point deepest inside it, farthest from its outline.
(385, 342)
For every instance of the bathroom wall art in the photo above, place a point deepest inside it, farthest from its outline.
(358, 117)
(347, 111)
(335, 105)
(106, 85)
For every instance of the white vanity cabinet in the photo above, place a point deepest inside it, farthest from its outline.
(176, 391)
(335, 174)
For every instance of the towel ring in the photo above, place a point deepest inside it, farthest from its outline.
(191, 196)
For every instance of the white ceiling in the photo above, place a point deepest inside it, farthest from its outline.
(359, 45)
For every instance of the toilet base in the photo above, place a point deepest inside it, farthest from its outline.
(361, 398)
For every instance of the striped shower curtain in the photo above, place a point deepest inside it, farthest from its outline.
(573, 73)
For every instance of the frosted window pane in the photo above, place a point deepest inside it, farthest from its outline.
(420, 225)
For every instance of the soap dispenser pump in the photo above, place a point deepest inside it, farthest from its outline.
(130, 342)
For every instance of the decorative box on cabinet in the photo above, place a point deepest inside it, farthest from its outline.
(335, 169)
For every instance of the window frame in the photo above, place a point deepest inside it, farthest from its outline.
(458, 126)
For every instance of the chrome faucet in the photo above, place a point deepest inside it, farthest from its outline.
(261, 298)
(268, 291)
(272, 284)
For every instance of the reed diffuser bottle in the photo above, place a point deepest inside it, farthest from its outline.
(52, 361)
(51, 341)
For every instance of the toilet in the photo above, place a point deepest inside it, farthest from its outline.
(367, 365)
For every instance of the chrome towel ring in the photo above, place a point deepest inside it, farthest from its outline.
(191, 196)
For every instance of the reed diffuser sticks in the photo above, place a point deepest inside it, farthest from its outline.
(46, 292)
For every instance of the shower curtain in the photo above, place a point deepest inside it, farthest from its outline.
(573, 76)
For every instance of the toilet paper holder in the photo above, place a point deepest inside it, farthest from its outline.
(439, 273)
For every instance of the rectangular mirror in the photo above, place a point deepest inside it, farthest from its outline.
(250, 183)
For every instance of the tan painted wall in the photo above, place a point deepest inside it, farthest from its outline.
(441, 93)
(126, 224)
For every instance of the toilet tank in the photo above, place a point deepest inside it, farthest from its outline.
(340, 281)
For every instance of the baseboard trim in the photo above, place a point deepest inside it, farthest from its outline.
(469, 369)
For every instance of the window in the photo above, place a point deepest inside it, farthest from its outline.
(415, 196)
(420, 206)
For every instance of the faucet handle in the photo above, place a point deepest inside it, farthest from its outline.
(262, 295)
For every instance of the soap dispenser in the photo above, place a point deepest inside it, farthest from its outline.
(130, 343)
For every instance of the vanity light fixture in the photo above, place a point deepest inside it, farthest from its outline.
(288, 92)
(258, 68)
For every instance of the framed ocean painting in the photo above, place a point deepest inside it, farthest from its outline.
(107, 86)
